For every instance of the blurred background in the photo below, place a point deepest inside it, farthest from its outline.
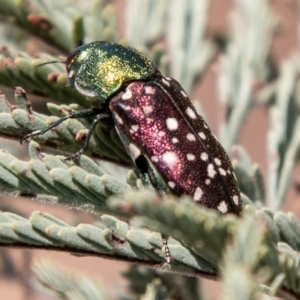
(239, 62)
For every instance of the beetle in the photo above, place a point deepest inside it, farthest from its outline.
(170, 144)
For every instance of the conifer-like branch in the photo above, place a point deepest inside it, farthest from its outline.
(260, 250)
(194, 253)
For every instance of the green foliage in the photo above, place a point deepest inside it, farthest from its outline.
(259, 251)
(67, 286)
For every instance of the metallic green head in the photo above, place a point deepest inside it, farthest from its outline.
(99, 69)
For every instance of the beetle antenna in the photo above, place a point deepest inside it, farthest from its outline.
(50, 62)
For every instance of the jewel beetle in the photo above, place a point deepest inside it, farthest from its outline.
(170, 144)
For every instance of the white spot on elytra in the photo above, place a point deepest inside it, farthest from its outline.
(222, 207)
(198, 194)
(202, 135)
(204, 156)
(149, 90)
(134, 151)
(175, 140)
(127, 95)
(190, 156)
(205, 125)
(154, 158)
(191, 137)
(218, 161)
(164, 81)
(183, 93)
(211, 170)
(168, 78)
(171, 184)
(161, 133)
(172, 123)
(134, 128)
(190, 113)
(207, 181)
(147, 109)
(235, 199)
(170, 158)
(222, 171)
(228, 171)
(118, 118)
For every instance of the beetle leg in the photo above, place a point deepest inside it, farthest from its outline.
(96, 121)
(80, 114)
(86, 113)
